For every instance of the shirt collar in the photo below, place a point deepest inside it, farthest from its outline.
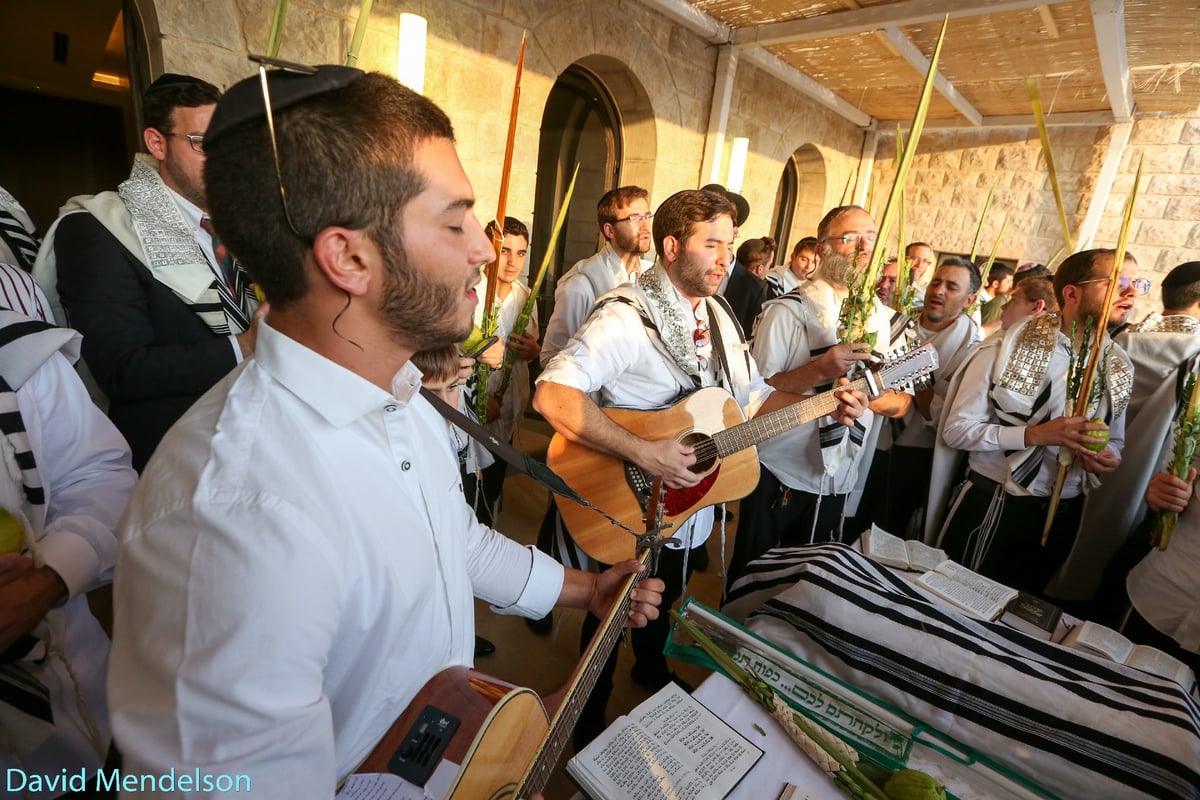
(334, 392)
(192, 213)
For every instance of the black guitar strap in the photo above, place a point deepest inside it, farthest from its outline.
(522, 462)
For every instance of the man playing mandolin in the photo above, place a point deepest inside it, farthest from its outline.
(299, 558)
(644, 345)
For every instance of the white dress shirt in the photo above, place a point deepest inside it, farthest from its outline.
(84, 466)
(971, 425)
(1164, 585)
(784, 338)
(613, 356)
(575, 295)
(297, 562)
(516, 398)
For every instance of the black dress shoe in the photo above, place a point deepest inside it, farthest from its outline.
(483, 647)
(543, 626)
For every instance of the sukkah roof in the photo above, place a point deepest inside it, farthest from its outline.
(868, 53)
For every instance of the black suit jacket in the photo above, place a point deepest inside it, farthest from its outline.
(746, 293)
(148, 351)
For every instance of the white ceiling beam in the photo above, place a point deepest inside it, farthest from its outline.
(1108, 18)
(905, 12)
(684, 13)
(718, 114)
(808, 86)
(1079, 119)
(716, 32)
(1104, 183)
(904, 47)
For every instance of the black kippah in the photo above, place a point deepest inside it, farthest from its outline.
(244, 101)
(172, 80)
(1183, 275)
(740, 204)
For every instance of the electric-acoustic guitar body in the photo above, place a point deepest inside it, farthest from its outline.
(502, 728)
(622, 489)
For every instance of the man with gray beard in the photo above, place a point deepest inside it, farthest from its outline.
(811, 475)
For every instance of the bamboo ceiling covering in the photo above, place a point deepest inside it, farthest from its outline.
(988, 57)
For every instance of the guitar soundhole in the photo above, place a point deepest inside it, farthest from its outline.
(706, 450)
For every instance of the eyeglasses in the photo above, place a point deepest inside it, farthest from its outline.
(854, 238)
(299, 69)
(196, 140)
(1141, 286)
(635, 218)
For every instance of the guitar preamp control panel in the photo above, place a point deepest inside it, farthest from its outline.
(418, 755)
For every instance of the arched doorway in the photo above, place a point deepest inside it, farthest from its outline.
(597, 115)
(800, 199)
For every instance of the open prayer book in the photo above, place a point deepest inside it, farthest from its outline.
(1098, 640)
(879, 545)
(668, 748)
(968, 590)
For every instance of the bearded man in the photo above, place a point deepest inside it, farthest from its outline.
(164, 309)
(300, 559)
(811, 475)
(1008, 410)
(642, 347)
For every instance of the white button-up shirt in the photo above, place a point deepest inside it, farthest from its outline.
(297, 562)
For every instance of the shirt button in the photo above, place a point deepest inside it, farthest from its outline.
(406, 466)
(389, 408)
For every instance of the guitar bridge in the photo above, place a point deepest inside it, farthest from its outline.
(640, 484)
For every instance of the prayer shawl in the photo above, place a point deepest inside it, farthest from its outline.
(670, 327)
(145, 219)
(1027, 387)
(1164, 351)
(952, 343)
(26, 344)
(842, 447)
(18, 237)
(1078, 725)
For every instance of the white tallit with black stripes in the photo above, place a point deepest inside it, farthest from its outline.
(1079, 726)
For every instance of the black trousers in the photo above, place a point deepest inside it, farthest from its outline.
(1013, 553)
(775, 516)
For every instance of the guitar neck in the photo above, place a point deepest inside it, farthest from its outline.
(761, 428)
(580, 687)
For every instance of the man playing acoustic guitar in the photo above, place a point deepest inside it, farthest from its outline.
(644, 345)
(299, 559)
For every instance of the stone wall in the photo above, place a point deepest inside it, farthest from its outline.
(470, 64)
(954, 170)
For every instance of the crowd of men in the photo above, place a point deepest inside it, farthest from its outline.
(302, 547)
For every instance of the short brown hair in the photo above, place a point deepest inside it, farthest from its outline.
(1035, 289)
(1078, 268)
(606, 209)
(681, 212)
(347, 158)
(438, 364)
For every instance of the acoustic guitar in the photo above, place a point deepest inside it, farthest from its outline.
(711, 421)
(503, 739)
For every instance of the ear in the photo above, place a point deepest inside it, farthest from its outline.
(1071, 294)
(156, 143)
(1039, 306)
(347, 258)
(671, 249)
(971, 298)
(609, 230)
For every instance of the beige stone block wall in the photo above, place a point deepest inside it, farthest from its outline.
(946, 196)
(470, 68)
